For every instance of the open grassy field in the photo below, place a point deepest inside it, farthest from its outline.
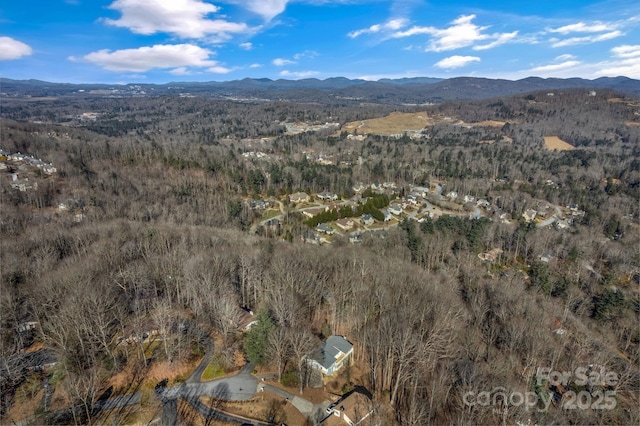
(555, 143)
(394, 123)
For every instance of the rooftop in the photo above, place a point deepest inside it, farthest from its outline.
(332, 349)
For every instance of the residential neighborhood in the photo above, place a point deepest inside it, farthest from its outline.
(420, 203)
(25, 170)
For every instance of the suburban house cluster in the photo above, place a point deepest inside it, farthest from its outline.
(414, 202)
(18, 164)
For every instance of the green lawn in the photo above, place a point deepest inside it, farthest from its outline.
(213, 370)
(268, 214)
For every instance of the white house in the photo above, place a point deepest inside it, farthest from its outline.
(395, 209)
(332, 356)
(420, 191)
(483, 203)
(355, 238)
(529, 215)
(367, 219)
(324, 228)
(327, 196)
(359, 188)
(411, 200)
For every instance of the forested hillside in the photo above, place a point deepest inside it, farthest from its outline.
(148, 225)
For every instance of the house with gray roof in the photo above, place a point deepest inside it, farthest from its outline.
(332, 356)
(323, 227)
(328, 196)
(395, 209)
(367, 219)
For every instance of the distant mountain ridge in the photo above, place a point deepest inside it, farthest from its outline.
(402, 90)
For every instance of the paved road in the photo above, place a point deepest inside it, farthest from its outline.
(312, 411)
(119, 402)
(550, 220)
(241, 387)
(212, 414)
(196, 376)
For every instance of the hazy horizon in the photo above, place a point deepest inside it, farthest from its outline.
(154, 41)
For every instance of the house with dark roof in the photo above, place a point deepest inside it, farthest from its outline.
(335, 353)
(40, 360)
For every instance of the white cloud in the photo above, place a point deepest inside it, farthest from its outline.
(456, 61)
(255, 66)
(391, 25)
(246, 46)
(219, 69)
(298, 74)
(555, 67)
(565, 57)
(462, 33)
(149, 57)
(281, 62)
(268, 9)
(180, 71)
(626, 62)
(628, 68)
(581, 27)
(183, 18)
(499, 39)
(626, 51)
(13, 49)
(586, 39)
(306, 54)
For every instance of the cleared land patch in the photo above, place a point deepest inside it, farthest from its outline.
(555, 143)
(394, 123)
(489, 123)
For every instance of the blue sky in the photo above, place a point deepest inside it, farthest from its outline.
(158, 41)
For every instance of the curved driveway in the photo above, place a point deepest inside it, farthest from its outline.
(240, 387)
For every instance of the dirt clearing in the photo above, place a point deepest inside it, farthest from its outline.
(394, 123)
(555, 143)
(489, 123)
